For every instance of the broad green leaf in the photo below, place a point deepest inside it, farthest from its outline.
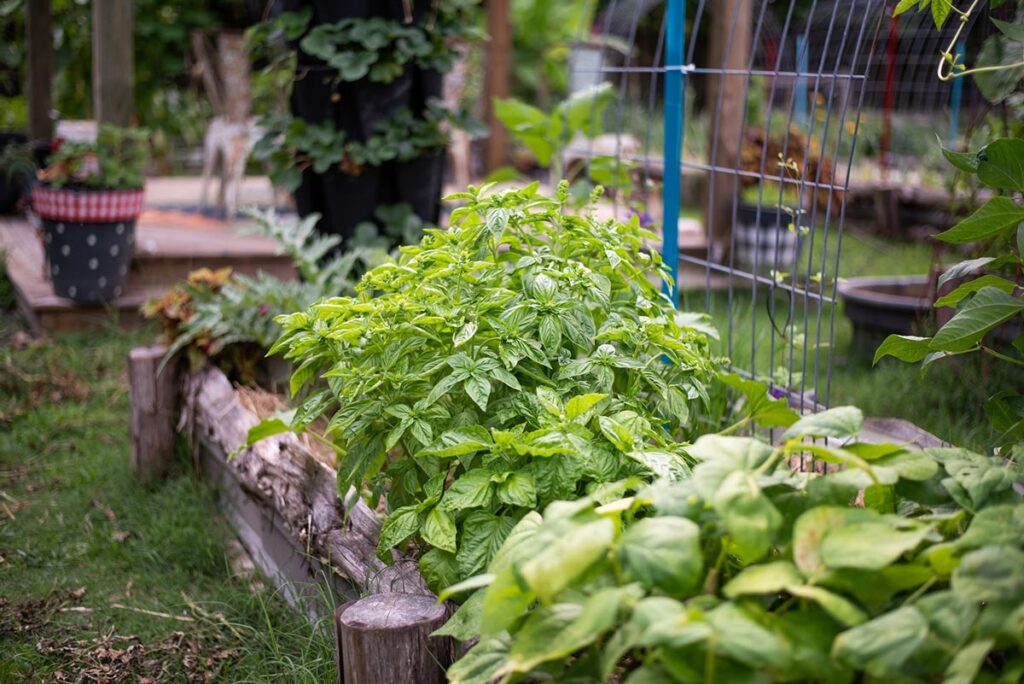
(461, 442)
(1001, 164)
(989, 308)
(567, 558)
(583, 110)
(1013, 31)
(482, 662)
(482, 536)
(473, 489)
(518, 490)
(479, 390)
(518, 545)
(963, 268)
(401, 524)
(835, 605)
(506, 600)
(950, 617)
(992, 574)
(464, 625)
(748, 515)
(811, 528)
(961, 293)
(869, 545)
(662, 553)
(740, 637)
(941, 10)
(998, 215)
(578, 407)
(472, 584)
(439, 530)
(905, 6)
(965, 161)
(967, 662)
(759, 405)
(909, 465)
(842, 422)
(903, 347)
(558, 631)
(268, 427)
(881, 646)
(662, 463)
(465, 334)
(439, 569)
(765, 578)
(999, 525)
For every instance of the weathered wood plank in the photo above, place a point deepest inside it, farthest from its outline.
(154, 402)
(113, 62)
(39, 71)
(283, 475)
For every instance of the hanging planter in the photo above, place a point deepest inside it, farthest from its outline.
(88, 198)
(89, 236)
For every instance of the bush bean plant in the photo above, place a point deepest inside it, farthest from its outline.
(906, 566)
(522, 356)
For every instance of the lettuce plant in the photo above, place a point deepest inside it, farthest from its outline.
(751, 571)
(522, 356)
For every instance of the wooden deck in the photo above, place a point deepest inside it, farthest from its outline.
(170, 243)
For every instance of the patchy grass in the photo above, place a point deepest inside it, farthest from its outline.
(104, 579)
(947, 402)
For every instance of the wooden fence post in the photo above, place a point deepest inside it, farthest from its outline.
(39, 71)
(113, 62)
(385, 639)
(154, 401)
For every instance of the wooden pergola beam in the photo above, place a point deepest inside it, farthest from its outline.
(498, 77)
(113, 62)
(39, 33)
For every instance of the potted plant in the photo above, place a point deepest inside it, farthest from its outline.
(88, 197)
(769, 227)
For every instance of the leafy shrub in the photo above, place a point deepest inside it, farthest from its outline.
(752, 571)
(522, 356)
(230, 317)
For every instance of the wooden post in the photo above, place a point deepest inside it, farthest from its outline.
(154, 402)
(113, 62)
(499, 60)
(39, 30)
(729, 48)
(385, 639)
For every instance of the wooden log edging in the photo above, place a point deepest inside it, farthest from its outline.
(282, 475)
(154, 405)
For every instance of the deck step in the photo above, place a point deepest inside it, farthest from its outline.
(169, 245)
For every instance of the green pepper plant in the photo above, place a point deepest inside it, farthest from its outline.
(524, 355)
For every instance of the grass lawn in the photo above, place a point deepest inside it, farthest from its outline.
(102, 578)
(948, 401)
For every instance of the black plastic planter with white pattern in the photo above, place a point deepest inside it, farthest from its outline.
(88, 260)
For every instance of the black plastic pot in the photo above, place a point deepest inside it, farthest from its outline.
(88, 262)
(879, 306)
(762, 237)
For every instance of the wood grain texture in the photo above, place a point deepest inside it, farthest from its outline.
(39, 68)
(113, 62)
(283, 475)
(154, 407)
(385, 639)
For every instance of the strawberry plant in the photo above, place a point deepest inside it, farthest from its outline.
(522, 356)
(750, 571)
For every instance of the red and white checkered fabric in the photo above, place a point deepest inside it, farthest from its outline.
(87, 206)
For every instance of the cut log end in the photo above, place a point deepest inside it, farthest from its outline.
(385, 638)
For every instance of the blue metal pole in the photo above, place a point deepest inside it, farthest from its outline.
(956, 97)
(801, 82)
(675, 54)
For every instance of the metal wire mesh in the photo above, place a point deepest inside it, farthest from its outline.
(749, 111)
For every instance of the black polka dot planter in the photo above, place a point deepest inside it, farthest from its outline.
(89, 237)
